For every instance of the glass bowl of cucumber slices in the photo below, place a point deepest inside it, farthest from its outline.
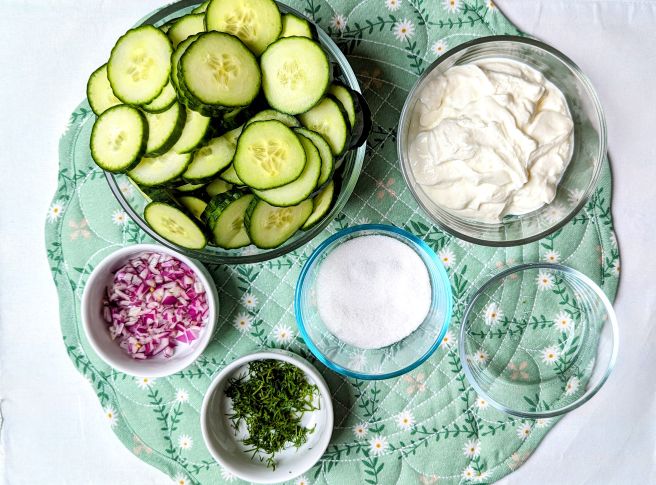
(230, 142)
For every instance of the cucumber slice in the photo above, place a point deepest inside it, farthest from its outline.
(233, 135)
(295, 74)
(189, 187)
(209, 160)
(269, 226)
(293, 26)
(268, 155)
(302, 187)
(256, 23)
(362, 126)
(118, 138)
(224, 216)
(160, 170)
(174, 225)
(164, 129)
(327, 118)
(167, 25)
(99, 91)
(345, 98)
(217, 69)
(272, 114)
(139, 65)
(201, 8)
(233, 118)
(185, 27)
(230, 175)
(175, 60)
(164, 101)
(193, 204)
(327, 159)
(194, 131)
(217, 187)
(320, 204)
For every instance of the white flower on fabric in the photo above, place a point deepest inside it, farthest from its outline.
(554, 213)
(126, 188)
(448, 340)
(227, 475)
(481, 403)
(112, 417)
(283, 334)
(302, 481)
(491, 6)
(243, 322)
(338, 22)
(249, 251)
(552, 256)
(249, 300)
(362, 220)
(180, 479)
(119, 217)
(524, 431)
(447, 257)
(361, 430)
(542, 422)
(404, 29)
(378, 445)
(480, 357)
(472, 449)
(144, 382)
(481, 476)
(452, 5)
(393, 5)
(439, 48)
(574, 195)
(55, 211)
(185, 442)
(545, 280)
(572, 386)
(492, 314)
(468, 473)
(405, 420)
(563, 322)
(550, 355)
(181, 396)
(616, 267)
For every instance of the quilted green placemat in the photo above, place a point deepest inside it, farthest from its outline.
(424, 427)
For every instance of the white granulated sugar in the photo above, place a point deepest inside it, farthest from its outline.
(373, 291)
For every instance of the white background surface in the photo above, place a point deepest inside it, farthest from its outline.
(54, 431)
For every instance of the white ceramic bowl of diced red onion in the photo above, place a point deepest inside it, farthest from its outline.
(149, 311)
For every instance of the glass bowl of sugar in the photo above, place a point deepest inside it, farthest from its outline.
(373, 302)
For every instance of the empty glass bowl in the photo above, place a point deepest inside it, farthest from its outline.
(538, 340)
(386, 362)
(133, 201)
(578, 182)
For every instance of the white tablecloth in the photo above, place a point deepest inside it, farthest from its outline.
(54, 431)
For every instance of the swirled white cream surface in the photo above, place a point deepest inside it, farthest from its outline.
(490, 138)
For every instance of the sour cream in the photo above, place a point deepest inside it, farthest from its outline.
(490, 138)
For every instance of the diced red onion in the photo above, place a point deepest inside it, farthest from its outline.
(154, 302)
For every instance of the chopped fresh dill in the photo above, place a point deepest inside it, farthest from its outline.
(271, 399)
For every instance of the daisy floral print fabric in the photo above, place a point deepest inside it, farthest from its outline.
(427, 426)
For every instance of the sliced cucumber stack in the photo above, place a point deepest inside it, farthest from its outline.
(140, 65)
(268, 155)
(225, 215)
(256, 23)
(231, 118)
(119, 138)
(295, 74)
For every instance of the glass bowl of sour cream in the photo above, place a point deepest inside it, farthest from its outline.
(373, 302)
(501, 140)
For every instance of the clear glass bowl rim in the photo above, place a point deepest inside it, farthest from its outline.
(601, 153)
(437, 271)
(612, 321)
(346, 189)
